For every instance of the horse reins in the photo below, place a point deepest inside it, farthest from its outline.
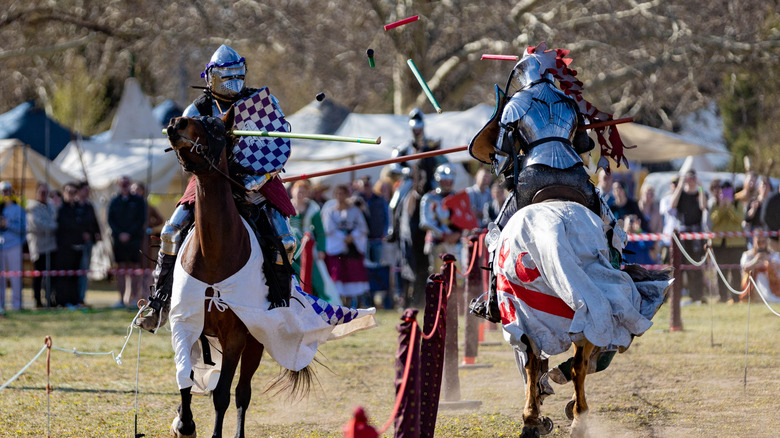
(198, 149)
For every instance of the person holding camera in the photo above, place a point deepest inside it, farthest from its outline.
(763, 265)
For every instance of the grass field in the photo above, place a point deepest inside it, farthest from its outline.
(668, 384)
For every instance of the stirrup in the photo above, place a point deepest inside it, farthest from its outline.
(480, 309)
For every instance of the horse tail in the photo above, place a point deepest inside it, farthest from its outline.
(297, 384)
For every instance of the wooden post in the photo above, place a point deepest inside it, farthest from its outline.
(675, 323)
(407, 419)
(451, 381)
(432, 353)
(471, 291)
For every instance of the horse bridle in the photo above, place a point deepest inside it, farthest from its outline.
(215, 144)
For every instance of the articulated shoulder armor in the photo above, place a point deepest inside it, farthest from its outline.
(548, 126)
(433, 216)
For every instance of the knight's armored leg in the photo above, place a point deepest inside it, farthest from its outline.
(278, 244)
(172, 236)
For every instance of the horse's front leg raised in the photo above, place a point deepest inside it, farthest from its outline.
(183, 426)
(582, 352)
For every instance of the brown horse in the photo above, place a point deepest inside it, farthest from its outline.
(556, 288)
(219, 246)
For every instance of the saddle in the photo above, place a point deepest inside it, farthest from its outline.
(559, 192)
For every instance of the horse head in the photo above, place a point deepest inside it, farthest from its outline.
(200, 141)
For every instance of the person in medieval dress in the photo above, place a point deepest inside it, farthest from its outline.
(266, 205)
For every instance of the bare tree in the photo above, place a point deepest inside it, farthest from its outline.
(654, 60)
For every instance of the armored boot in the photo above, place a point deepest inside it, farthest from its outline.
(160, 300)
(171, 236)
(278, 246)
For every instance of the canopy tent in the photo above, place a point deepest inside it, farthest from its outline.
(453, 129)
(33, 127)
(24, 167)
(134, 148)
(657, 146)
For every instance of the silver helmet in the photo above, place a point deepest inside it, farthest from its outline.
(444, 177)
(225, 72)
(417, 124)
(529, 70)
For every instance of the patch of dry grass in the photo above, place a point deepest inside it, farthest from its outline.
(678, 384)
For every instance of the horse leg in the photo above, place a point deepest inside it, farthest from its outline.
(250, 360)
(531, 420)
(579, 369)
(183, 426)
(232, 341)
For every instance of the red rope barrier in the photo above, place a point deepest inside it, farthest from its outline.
(438, 312)
(402, 389)
(70, 272)
(698, 236)
(477, 245)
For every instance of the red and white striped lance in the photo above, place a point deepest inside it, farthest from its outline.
(698, 236)
(70, 272)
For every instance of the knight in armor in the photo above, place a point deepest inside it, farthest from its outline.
(533, 142)
(416, 179)
(266, 206)
(441, 235)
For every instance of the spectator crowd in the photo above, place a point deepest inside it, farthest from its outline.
(357, 243)
(57, 230)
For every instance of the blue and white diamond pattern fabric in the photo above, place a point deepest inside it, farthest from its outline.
(329, 313)
(261, 155)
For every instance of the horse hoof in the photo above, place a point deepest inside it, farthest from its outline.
(530, 432)
(569, 410)
(545, 425)
(176, 427)
(579, 428)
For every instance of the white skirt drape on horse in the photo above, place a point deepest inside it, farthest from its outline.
(291, 335)
(556, 284)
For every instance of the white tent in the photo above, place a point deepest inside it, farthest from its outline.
(135, 149)
(455, 128)
(452, 128)
(656, 145)
(24, 167)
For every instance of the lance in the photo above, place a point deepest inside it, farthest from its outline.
(375, 164)
(324, 137)
(605, 123)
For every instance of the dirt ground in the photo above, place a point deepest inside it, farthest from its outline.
(714, 378)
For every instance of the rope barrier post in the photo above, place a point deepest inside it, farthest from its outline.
(451, 385)
(407, 418)
(47, 342)
(432, 352)
(471, 291)
(451, 381)
(675, 323)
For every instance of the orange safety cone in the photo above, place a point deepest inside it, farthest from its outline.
(482, 331)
